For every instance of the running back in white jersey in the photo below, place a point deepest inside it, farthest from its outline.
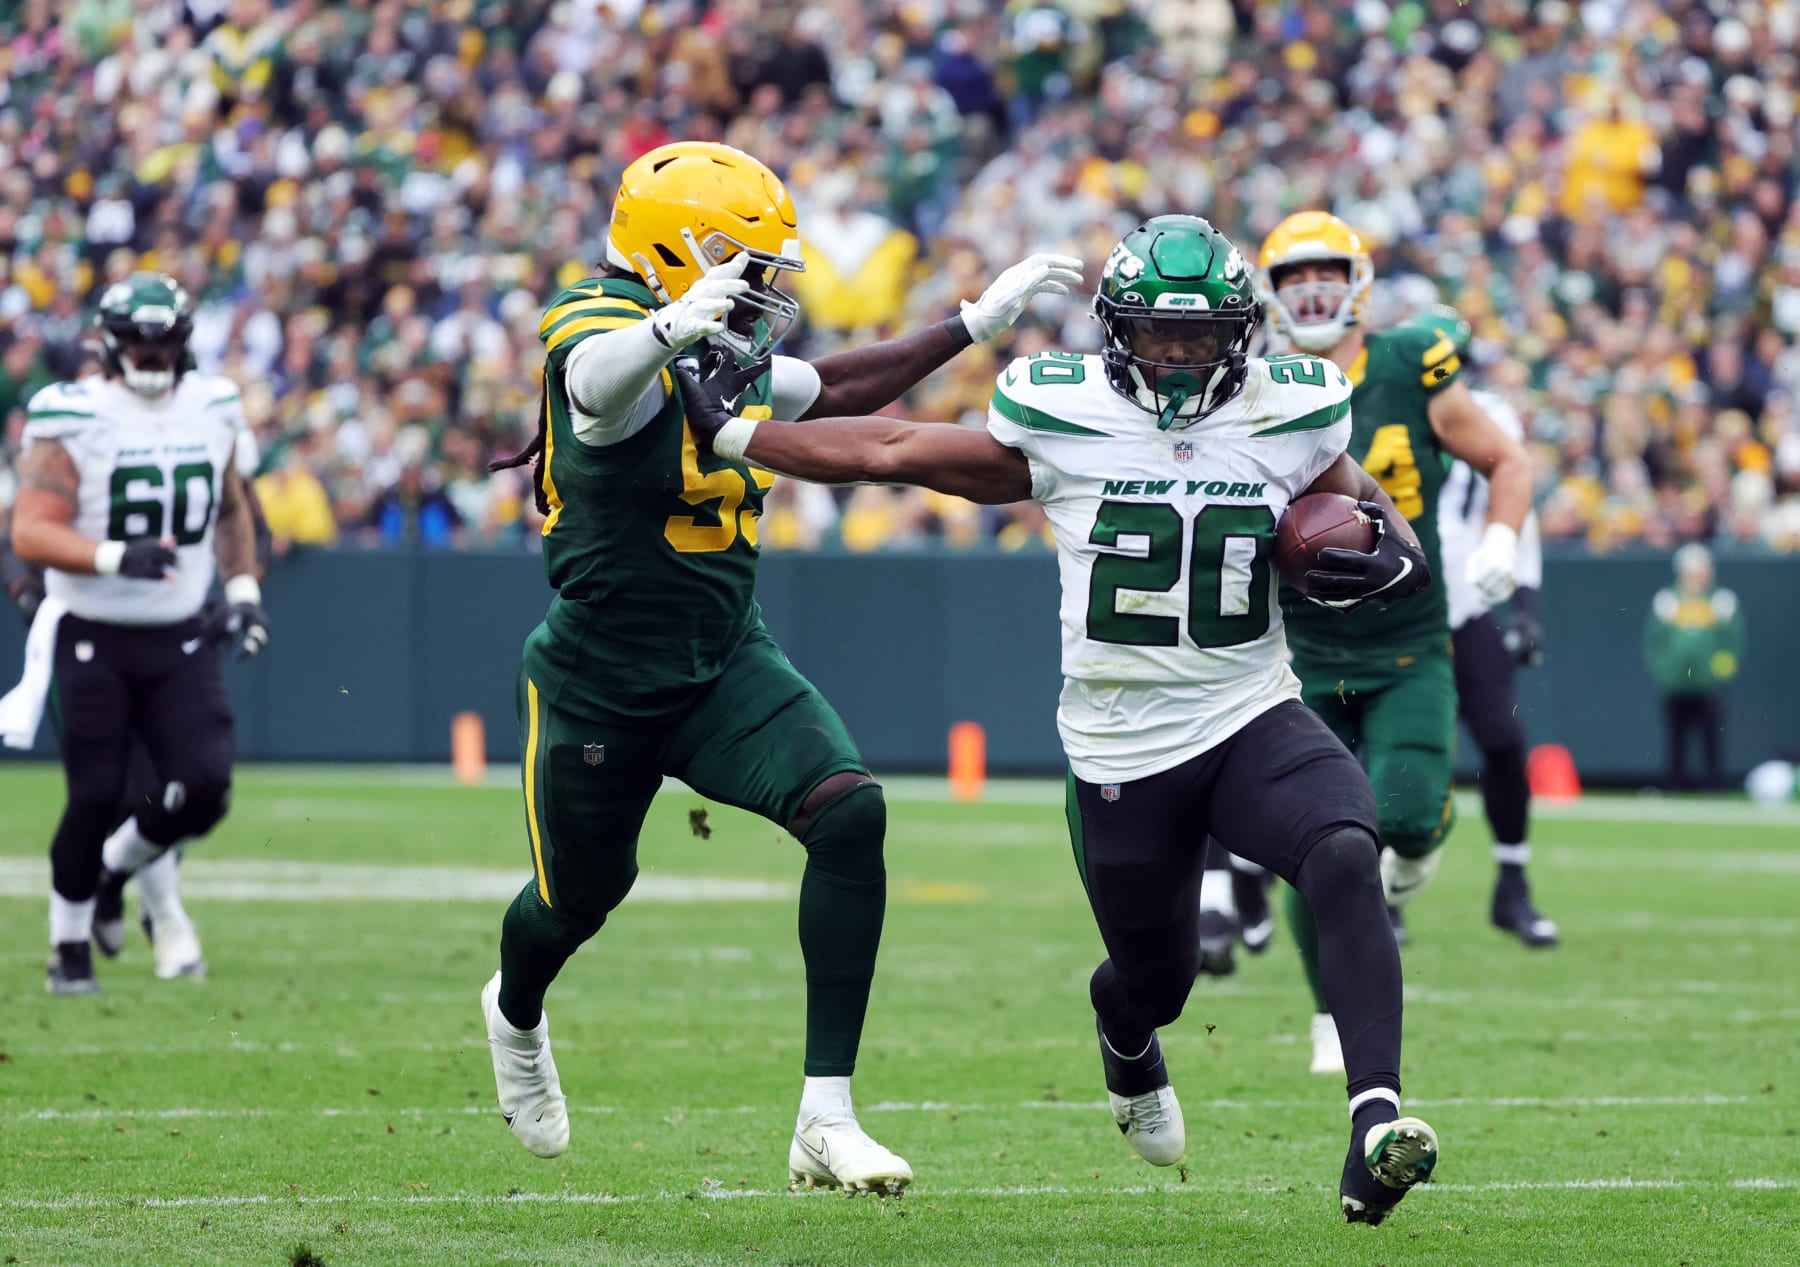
(147, 469)
(1462, 516)
(1171, 632)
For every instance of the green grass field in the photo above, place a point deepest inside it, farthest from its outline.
(326, 1095)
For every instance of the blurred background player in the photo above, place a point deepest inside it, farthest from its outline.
(128, 491)
(1177, 705)
(1693, 641)
(1381, 675)
(1486, 657)
(653, 659)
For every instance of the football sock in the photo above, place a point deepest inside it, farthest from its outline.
(1306, 940)
(70, 921)
(1506, 792)
(126, 850)
(1216, 891)
(158, 889)
(1357, 961)
(825, 1097)
(535, 942)
(1373, 1107)
(843, 896)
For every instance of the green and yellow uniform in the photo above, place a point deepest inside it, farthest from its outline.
(653, 659)
(1380, 674)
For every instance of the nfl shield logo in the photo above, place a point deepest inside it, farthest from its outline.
(1184, 450)
(1109, 791)
(593, 753)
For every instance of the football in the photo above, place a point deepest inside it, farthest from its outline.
(1317, 522)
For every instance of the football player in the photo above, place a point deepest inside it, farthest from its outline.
(1381, 676)
(653, 659)
(1486, 657)
(1163, 464)
(129, 499)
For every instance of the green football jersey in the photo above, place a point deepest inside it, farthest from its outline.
(651, 544)
(1394, 378)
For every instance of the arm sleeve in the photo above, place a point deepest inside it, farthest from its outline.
(793, 386)
(1528, 572)
(617, 383)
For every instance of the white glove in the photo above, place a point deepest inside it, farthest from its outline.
(703, 309)
(1493, 564)
(1002, 302)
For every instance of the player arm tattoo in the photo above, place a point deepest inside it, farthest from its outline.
(42, 532)
(1349, 478)
(961, 461)
(862, 380)
(234, 538)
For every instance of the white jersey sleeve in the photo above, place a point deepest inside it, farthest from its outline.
(1171, 627)
(146, 469)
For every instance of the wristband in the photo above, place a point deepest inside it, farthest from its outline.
(243, 589)
(733, 438)
(107, 557)
(957, 328)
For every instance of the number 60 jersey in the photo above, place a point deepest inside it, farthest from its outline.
(1171, 630)
(147, 469)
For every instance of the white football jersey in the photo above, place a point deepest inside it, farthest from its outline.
(1171, 629)
(1462, 517)
(147, 469)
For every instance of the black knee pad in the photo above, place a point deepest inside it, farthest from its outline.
(1340, 860)
(845, 836)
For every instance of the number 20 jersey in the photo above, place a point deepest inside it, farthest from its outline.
(1171, 629)
(147, 469)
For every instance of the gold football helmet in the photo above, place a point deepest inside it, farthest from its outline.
(1315, 315)
(686, 207)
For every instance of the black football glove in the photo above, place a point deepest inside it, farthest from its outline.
(1523, 635)
(1392, 570)
(245, 624)
(710, 402)
(146, 560)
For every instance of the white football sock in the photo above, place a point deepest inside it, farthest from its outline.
(1517, 855)
(159, 890)
(126, 849)
(825, 1097)
(70, 921)
(1215, 892)
(1374, 1093)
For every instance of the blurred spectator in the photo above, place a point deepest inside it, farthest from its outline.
(370, 203)
(1693, 642)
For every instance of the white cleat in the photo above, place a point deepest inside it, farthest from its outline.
(1402, 878)
(531, 1095)
(177, 950)
(1152, 1124)
(835, 1152)
(1328, 1053)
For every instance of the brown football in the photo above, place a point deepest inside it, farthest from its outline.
(1317, 522)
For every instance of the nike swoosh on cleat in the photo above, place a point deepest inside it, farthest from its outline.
(822, 1153)
(509, 1117)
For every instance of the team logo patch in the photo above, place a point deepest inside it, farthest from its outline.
(593, 753)
(1184, 450)
(1109, 791)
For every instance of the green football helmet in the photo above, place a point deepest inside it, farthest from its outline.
(1443, 320)
(145, 322)
(1179, 309)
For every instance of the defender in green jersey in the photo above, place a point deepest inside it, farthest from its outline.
(1381, 676)
(653, 660)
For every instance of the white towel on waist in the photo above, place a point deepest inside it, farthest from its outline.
(22, 709)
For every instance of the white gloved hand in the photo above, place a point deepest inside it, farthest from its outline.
(703, 309)
(1493, 564)
(1002, 302)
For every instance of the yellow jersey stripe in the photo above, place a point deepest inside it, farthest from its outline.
(1439, 350)
(1359, 368)
(531, 787)
(587, 325)
(588, 306)
(550, 494)
(1439, 372)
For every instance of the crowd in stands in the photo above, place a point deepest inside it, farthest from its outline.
(372, 200)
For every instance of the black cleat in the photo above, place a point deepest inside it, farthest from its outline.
(1256, 922)
(71, 969)
(1218, 936)
(1398, 920)
(1516, 915)
(1389, 1159)
(109, 913)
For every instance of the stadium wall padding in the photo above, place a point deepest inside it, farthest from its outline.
(374, 653)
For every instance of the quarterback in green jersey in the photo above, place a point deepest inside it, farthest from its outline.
(1381, 675)
(653, 660)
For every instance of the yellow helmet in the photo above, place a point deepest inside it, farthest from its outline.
(685, 207)
(1315, 315)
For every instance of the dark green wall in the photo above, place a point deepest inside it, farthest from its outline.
(374, 653)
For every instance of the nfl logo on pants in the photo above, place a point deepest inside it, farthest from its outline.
(593, 753)
(1109, 791)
